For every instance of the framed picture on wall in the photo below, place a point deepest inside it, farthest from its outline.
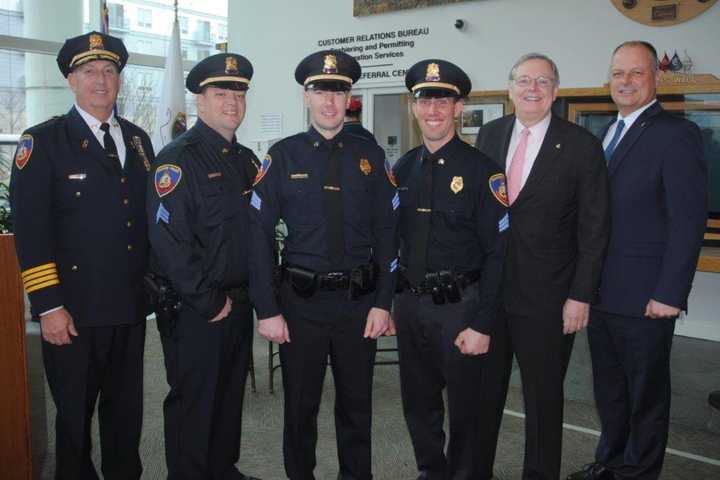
(477, 115)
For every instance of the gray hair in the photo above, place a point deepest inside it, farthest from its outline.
(642, 44)
(535, 56)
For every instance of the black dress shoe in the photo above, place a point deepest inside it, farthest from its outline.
(592, 471)
(247, 477)
(714, 399)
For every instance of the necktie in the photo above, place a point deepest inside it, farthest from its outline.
(110, 147)
(517, 166)
(417, 261)
(613, 143)
(333, 203)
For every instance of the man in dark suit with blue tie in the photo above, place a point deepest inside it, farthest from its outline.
(658, 211)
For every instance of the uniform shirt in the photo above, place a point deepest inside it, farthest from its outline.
(535, 140)
(469, 220)
(290, 187)
(197, 216)
(79, 221)
(115, 131)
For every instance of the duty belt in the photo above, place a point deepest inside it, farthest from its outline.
(444, 285)
(358, 281)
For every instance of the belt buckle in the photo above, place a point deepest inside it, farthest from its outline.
(333, 280)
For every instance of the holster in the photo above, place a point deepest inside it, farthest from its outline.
(363, 279)
(302, 280)
(164, 300)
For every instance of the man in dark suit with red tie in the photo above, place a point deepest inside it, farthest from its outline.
(558, 192)
(658, 195)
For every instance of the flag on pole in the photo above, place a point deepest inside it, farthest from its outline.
(171, 120)
(104, 18)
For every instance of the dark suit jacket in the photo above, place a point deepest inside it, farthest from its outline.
(559, 222)
(658, 182)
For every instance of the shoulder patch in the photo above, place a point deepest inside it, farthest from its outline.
(167, 177)
(390, 174)
(498, 188)
(264, 167)
(24, 150)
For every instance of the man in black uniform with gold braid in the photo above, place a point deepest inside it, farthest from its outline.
(78, 202)
(197, 218)
(337, 198)
(453, 224)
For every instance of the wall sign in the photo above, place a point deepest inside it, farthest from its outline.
(383, 56)
(662, 13)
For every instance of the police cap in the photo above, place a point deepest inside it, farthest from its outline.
(224, 70)
(437, 78)
(91, 46)
(328, 70)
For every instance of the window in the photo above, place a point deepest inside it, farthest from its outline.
(116, 15)
(183, 25)
(203, 31)
(144, 18)
(222, 32)
(202, 53)
(184, 54)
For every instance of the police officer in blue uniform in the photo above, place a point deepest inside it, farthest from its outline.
(453, 224)
(197, 219)
(77, 193)
(337, 198)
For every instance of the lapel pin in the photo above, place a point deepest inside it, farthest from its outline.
(441, 161)
(84, 144)
(557, 146)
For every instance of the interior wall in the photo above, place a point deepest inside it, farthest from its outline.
(578, 35)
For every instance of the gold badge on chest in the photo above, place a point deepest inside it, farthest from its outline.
(457, 184)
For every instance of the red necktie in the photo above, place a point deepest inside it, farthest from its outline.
(517, 166)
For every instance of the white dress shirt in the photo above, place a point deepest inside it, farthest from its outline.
(629, 120)
(115, 131)
(535, 140)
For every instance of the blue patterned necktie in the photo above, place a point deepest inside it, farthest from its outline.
(613, 143)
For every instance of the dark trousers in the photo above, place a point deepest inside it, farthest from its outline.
(430, 362)
(104, 361)
(207, 365)
(543, 354)
(327, 324)
(631, 375)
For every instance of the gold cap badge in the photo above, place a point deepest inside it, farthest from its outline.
(457, 184)
(231, 66)
(330, 65)
(432, 74)
(365, 166)
(96, 42)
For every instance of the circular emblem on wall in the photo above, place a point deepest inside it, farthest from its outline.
(661, 13)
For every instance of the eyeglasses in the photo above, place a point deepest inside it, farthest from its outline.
(441, 103)
(542, 82)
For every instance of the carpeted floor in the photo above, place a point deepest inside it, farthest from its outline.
(695, 428)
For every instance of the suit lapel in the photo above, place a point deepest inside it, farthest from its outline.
(632, 136)
(506, 135)
(551, 147)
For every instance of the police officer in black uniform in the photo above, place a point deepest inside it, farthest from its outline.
(78, 202)
(337, 198)
(452, 242)
(197, 218)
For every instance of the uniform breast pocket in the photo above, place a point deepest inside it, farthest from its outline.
(457, 211)
(359, 204)
(303, 205)
(73, 190)
(213, 203)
